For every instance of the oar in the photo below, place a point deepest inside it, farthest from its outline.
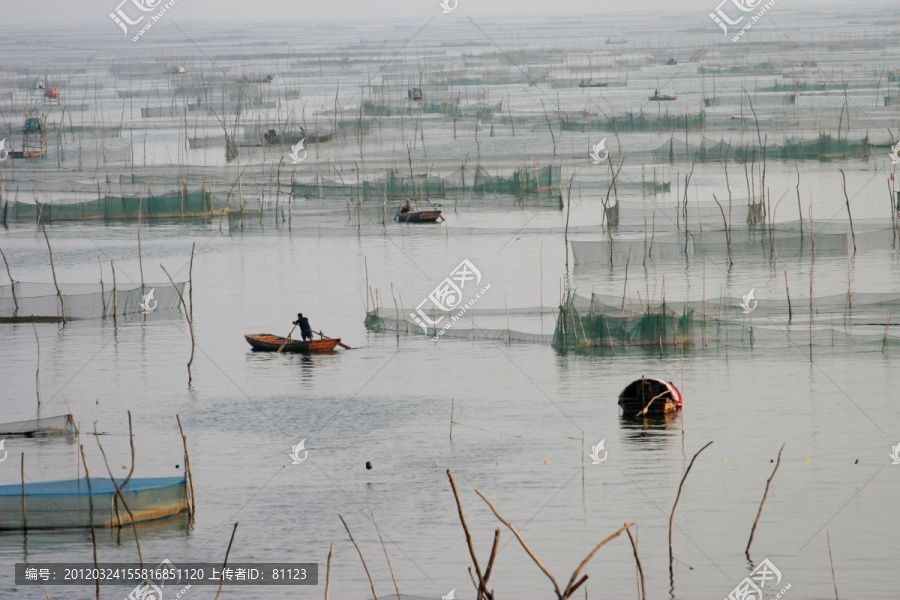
(286, 340)
(341, 344)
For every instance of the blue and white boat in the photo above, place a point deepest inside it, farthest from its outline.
(90, 502)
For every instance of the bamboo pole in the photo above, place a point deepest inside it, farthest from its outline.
(831, 560)
(765, 494)
(383, 547)
(452, 405)
(482, 583)
(62, 303)
(328, 571)
(120, 497)
(37, 370)
(11, 281)
(24, 502)
(787, 289)
(847, 200)
(94, 544)
(112, 266)
(371, 583)
(887, 323)
(643, 586)
(191, 280)
(225, 563)
(190, 322)
(674, 506)
(189, 476)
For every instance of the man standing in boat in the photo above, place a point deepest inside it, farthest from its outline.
(305, 329)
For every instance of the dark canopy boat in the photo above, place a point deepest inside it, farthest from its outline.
(590, 83)
(267, 342)
(650, 396)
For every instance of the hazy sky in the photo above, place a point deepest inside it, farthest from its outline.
(40, 13)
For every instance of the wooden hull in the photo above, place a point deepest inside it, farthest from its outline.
(592, 85)
(658, 397)
(424, 216)
(61, 425)
(662, 98)
(266, 342)
(83, 503)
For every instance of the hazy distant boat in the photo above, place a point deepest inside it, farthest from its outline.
(590, 83)
(620, 40)
(657, 97)
(89, 502)
(60, 425)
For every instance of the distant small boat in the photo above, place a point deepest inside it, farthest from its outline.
(421, 216)
(671, 61)
(267, 342)
(650, 396)
(61, 425)
(591, 83)
(609, 40)
(89, 502)
(657, 97)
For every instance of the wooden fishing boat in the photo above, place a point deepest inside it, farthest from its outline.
(650, 396)
(26, 153)
(89, 502)
(267, 342)
(592, 84)
(618, 41)
(657, 97)
(61, 425)
(420, 216)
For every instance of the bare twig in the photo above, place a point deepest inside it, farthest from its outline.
(528, 551)
(383, 547)
(120, 498)
(831, 560)
(677, 498)
(328, 571)
(482, 583)
(638, 561)
(766, 493)
(225, 562)
(371, 583)
(187, 316)
(574, 586)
